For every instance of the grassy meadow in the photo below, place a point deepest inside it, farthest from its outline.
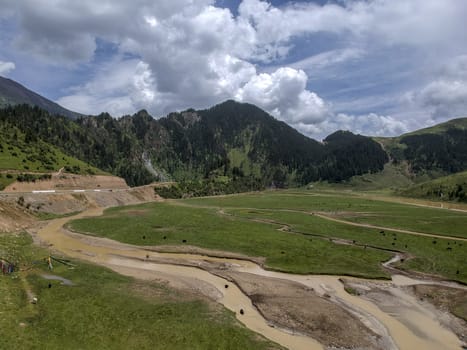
(250, 224)
(351, 208)
(104, 310)
(170, 223)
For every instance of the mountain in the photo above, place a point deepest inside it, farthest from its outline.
(235, 141)
(431, 152)
(458, 123)
(13, 93)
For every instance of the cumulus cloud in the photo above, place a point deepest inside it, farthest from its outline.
(118, 88)
(177, 54)
(446, 96)
(283, 93)
(418, 23)
(65, 32)
(366, 124)
(195, 59)
(274, 27)
(6, 67)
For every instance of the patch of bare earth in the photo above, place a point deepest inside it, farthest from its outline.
(447, 300)
(416, 306)
(346, 214)
(185, 288)
(135, 212)
(292, 306)
(157, 290)
(66, 203)
(65, 181)
(189, 249)
(14, 217)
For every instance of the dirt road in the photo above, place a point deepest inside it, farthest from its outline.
(415, 233)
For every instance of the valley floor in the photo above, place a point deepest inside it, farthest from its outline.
(231, 251)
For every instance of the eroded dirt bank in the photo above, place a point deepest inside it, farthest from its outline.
(290, 301)
(72, 202)
(14, 218)
(67, 181)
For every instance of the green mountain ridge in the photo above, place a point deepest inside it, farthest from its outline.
(435, 151)
(458, 123)
(231, 140)
(239, 142)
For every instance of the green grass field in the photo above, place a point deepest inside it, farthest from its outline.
(375, 212)
(429, 257)
(148, 224)
(249, 224)
(104, 310)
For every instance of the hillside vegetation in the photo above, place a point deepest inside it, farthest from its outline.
(230, 140)
(432, 152)
(235, 144)
(24, 157)
(452, 188)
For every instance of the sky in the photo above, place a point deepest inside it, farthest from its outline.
(374, 67)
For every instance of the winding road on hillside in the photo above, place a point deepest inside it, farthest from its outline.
(410, 326)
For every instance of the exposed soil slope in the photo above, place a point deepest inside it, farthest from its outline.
(13, 217)
(65, 181)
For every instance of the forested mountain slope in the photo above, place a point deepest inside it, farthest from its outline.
(231, 140)
(438, 150)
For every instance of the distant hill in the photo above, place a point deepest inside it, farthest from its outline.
(459, 123)
(452, 187)
(13, 93)
(431, 152)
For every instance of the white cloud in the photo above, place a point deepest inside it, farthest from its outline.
(6, 67)
(417, 23)
(61, 31)
(420, 23)
(231, 73)
(151, 20)
(283, 93)
(329, 58)
(193, 54)
(119, 88)
(274, 27)
(446, 96)
(367, 124)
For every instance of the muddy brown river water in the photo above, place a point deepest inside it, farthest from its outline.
(405, 323)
